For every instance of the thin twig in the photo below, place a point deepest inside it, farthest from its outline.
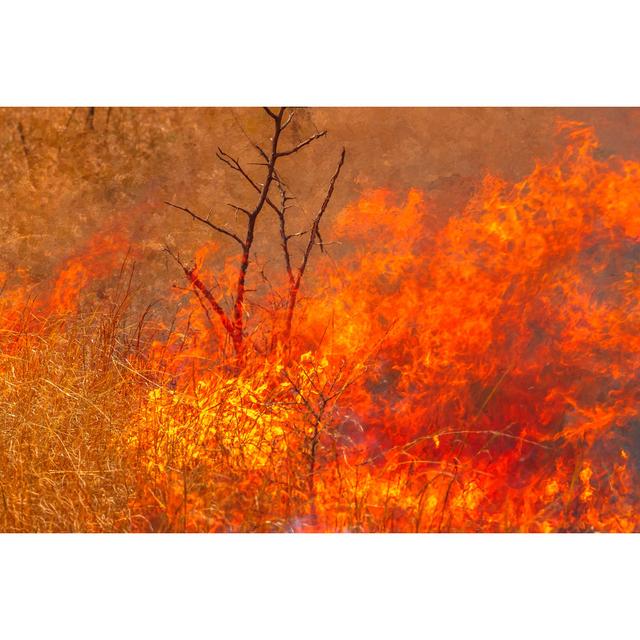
(302, 144)
(208, 222)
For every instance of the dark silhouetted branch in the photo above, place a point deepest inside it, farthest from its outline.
(234, 321)
(302, 144)
(192, 276)
(313, 235)
(208, 222)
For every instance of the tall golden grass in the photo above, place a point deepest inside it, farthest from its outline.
(97, 436)
(93, 437)
(64, 408)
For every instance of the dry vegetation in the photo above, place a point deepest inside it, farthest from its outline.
(65, 409)
(476, 374)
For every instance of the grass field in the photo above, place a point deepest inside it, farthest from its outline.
(477, 374)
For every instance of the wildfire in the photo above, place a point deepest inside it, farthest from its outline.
(476, 375)
(97, 261)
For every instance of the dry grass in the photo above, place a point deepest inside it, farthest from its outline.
(96, 438)
(91, 442)
(64, 407)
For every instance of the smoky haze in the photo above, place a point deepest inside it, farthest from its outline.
(71, 173)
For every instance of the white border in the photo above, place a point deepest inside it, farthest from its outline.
(330, 53)
(488, 52)
(319, 586)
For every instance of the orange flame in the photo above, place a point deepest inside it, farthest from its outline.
(98, 260)
(477, 375)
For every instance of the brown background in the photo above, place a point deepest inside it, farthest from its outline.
(68, 174)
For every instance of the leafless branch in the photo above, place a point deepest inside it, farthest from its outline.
(315, 227)
(237, 208)
(234, 321)
(263, 196)
(274, 115)
(284, 238)
(262, 152)
(287, 122)
(203, 289)
(302, 144)
(236, 166)
(208, 222)
(314, 233)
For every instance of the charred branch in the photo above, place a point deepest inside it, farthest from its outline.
(302, 144)
(235, 320)
(284, 237)
(315, 227)
(202, 289)
(208, 222)
(252, 219)
(272, 114)
(314, 235)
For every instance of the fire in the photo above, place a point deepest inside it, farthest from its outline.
(95, 262)
(509, 337)
(473, 374)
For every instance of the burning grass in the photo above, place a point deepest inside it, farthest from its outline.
(480, 375)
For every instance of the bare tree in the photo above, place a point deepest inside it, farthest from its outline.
(233, 321)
